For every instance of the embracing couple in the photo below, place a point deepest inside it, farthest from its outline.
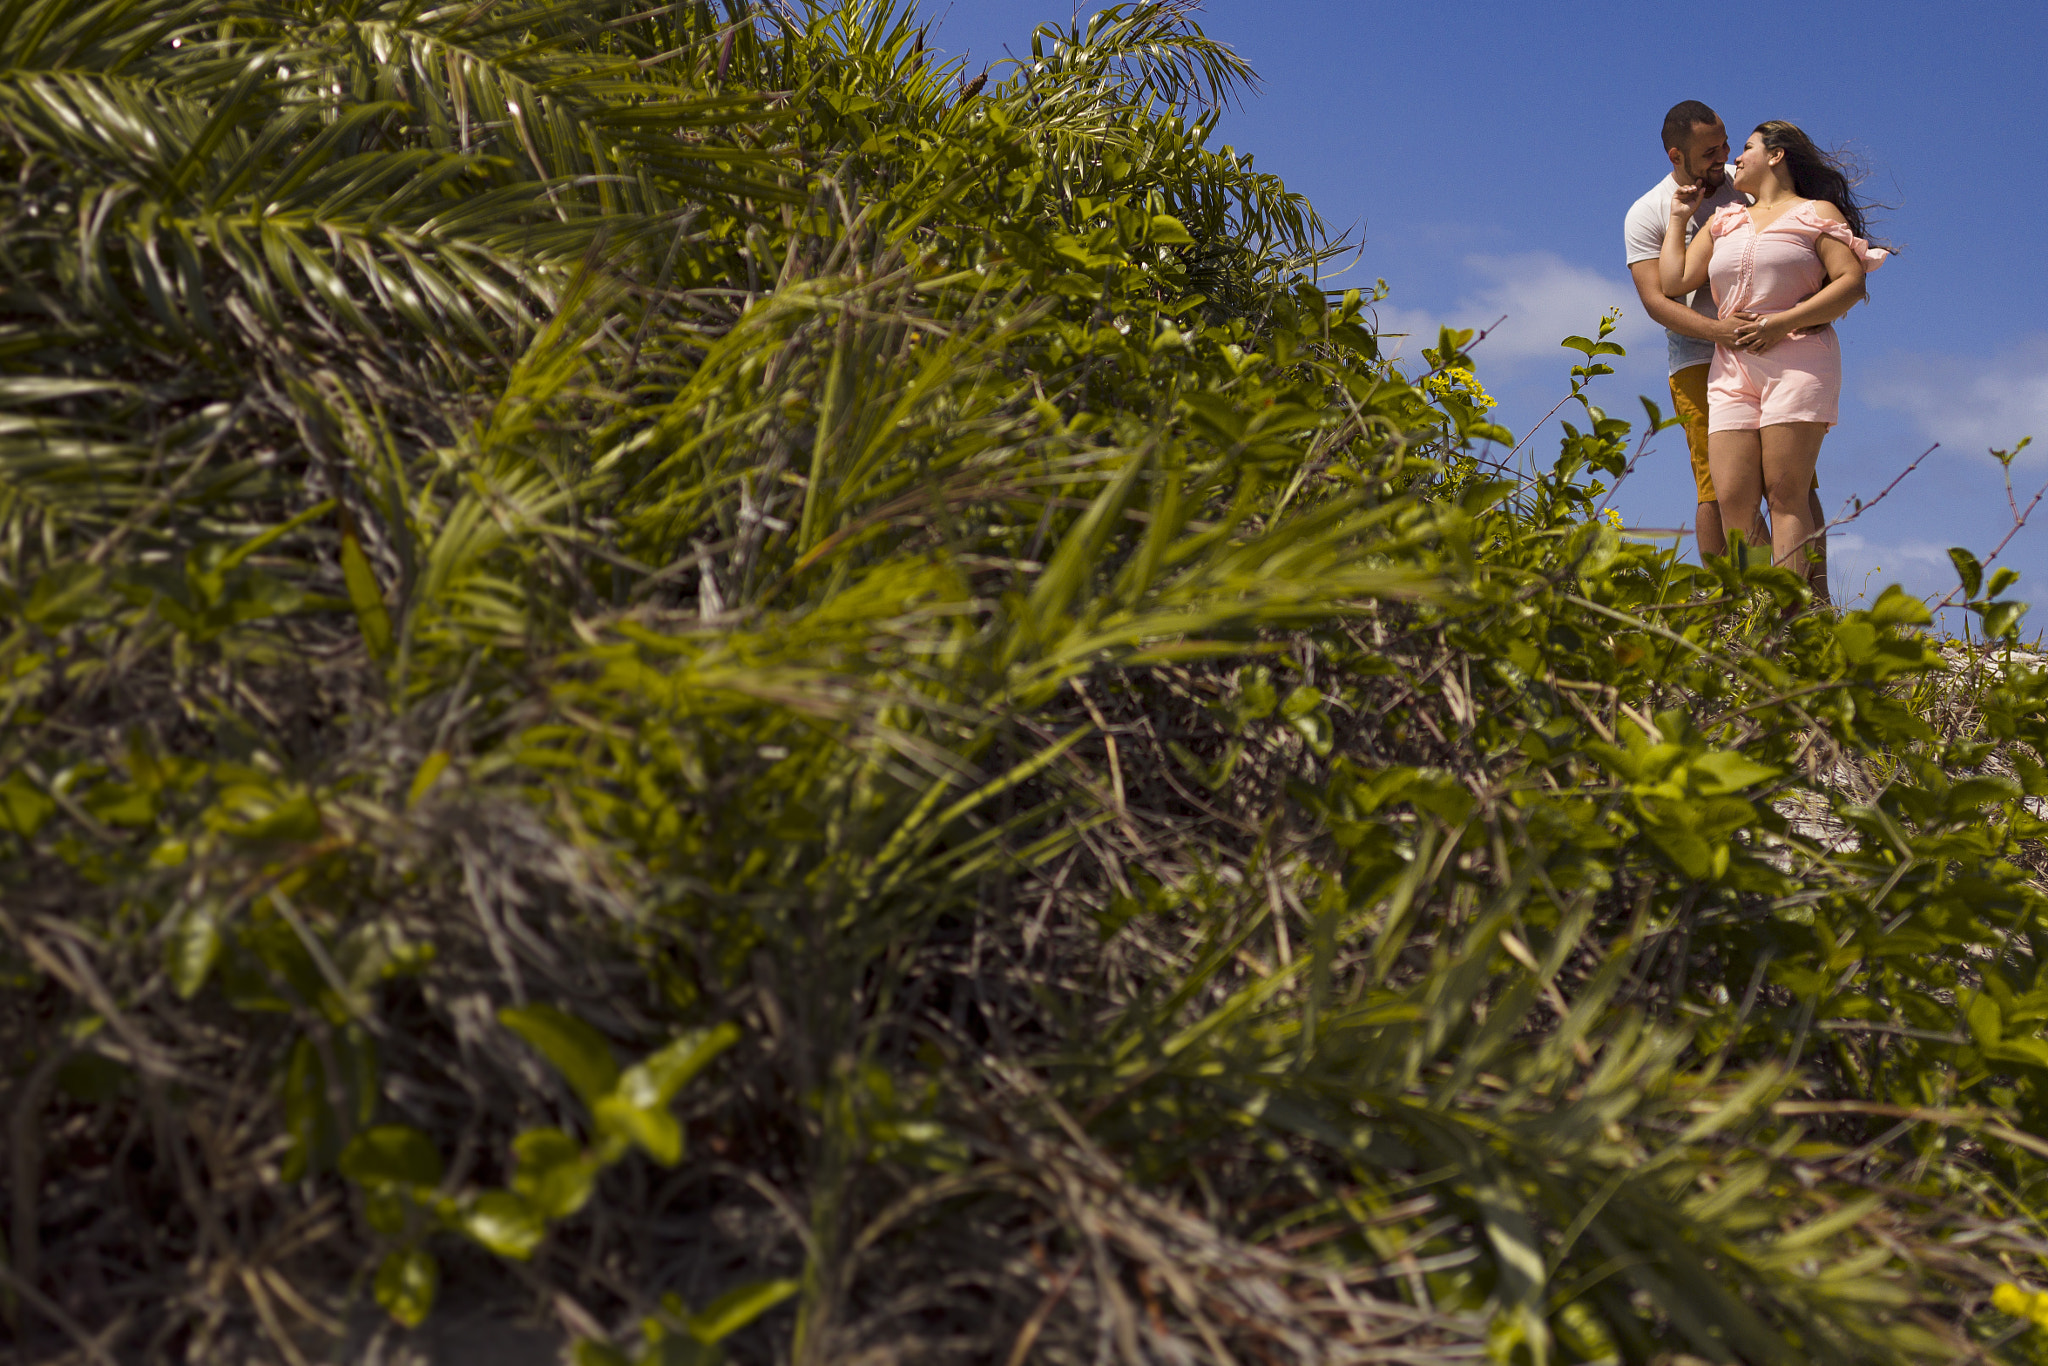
(1748, 303)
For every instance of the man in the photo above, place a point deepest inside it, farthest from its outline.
(1697, 145)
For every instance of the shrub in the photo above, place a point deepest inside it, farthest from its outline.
(683, 667)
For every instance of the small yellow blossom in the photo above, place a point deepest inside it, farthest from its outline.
(2021, 1303)
(1613, 516)
(1459, 380)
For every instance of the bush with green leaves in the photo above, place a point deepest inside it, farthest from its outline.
(666, 657)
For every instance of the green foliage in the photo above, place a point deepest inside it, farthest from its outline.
(407, 1280)
(535, 536)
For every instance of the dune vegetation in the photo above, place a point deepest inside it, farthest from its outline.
(686, 677)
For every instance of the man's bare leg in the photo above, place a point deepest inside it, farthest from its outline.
(1817, 564)
(1706, 530)
(1689, 405)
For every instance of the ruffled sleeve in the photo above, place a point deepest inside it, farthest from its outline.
(1871, 257)
(1727, 219)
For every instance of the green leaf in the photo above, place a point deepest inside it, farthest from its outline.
(1896, 607)
(651, 1126)
(846, 102)
(1971, 793)
(553, 1172)
(1858, 639)
(505, 1223)
(1169, 231)
(307, 1116)
(655, 1080)
(392, 1155)
(1987, 1026)
(1967, 568)
(2003, 619)
(66, 593)
(1439, 793)
(365, 597)
(390, 1210)
(1256, 695)
(591, 1352)
(577, 1051)
(192, 948)
(23, 805)
(1591, 348)
(130, 806)
(1695, 857)
(2020, 1052)
(737, 1308)
(1517, 1248)
(1080, 549)
(1728, 771)
(431, 768)
(1300, 702)
(295, 820)
(1315, 728)
(405, 1285)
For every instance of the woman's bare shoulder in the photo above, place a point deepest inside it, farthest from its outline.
(1826, 211)
(1727, 219)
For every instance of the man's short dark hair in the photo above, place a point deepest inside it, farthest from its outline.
(1679, 123)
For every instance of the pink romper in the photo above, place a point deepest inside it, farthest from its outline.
(1799, 379)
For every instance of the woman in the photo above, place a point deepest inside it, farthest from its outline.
(1785, 266)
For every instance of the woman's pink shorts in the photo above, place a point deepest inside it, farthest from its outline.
(1798, 380)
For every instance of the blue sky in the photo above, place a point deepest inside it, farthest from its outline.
(1484, 154)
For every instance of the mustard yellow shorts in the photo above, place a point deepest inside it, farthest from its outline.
(1689, 401)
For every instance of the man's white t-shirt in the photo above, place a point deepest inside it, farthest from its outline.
(1643, 233)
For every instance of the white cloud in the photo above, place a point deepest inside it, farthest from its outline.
(1544, 299)
(1859, 568)
(1969, 405)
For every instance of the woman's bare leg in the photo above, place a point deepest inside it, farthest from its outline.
(1790, 450)
(1736, 459)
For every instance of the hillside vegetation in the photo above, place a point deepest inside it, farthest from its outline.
(688, 676)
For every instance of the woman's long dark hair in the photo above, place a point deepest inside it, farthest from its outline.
(1815, 174)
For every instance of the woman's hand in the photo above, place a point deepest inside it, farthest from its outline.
(1685, 201)
(1759, 334)
(1682, 267)
(1724, 329)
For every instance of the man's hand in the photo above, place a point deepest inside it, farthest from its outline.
(1669, 313)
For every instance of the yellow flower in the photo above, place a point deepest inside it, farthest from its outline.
(1459, 380)
(1613, 516)
(2022, 1303)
